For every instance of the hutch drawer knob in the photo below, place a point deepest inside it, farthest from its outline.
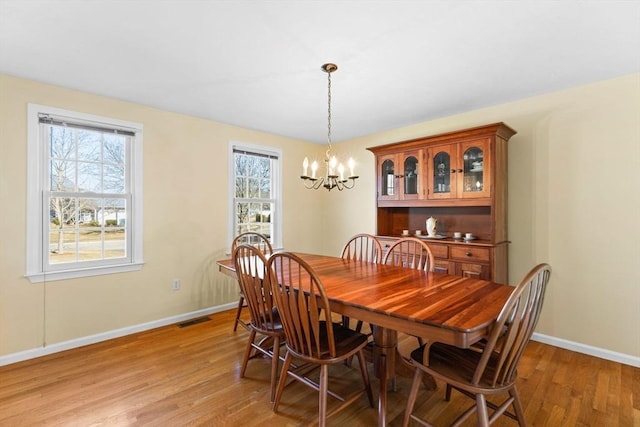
(469, 254)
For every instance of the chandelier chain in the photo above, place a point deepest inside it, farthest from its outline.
(329, 111)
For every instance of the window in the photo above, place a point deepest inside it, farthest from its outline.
(84, 195)
(255, 191)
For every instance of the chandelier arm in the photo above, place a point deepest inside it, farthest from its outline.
(353, 183)
(312, 183)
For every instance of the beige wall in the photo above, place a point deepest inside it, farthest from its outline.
(574, 201)
(185, 222)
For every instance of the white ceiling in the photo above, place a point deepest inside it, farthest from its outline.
(256, 63)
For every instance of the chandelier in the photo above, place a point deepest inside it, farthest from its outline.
(334, 176)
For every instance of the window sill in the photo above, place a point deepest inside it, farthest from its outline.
(51, 276)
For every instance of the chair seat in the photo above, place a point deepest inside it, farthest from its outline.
(275, 327)
(457, 364)
(347, 340)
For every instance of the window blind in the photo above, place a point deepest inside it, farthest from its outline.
(58, 121)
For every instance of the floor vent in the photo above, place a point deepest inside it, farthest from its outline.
(193, 322)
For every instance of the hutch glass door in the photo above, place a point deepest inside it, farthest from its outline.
(441, 172)
(388, 179)
(410, 175)
(473, 166)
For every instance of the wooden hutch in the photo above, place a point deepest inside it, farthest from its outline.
(459, 178)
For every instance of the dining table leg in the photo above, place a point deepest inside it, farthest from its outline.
(382, 396)
(385, 343)
(387, 364)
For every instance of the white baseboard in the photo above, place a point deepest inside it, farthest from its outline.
(602, 353)
(92, 339)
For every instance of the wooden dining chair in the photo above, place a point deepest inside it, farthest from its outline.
(410, 252)
(311, 335)
(253, 276)
(489, 369)
(361, 247)
(261, 242)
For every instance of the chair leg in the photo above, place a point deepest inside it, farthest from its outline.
(238, 312)
(447, 394)
(483, 412)
(275, 358)
(411, 400)
(517, 405)
(247, 353)
(322, 399)
(283, 380)
(365, 377)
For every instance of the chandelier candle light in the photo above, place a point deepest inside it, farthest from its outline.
(334, 174)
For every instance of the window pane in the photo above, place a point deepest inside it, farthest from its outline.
(62, 238)
(253, 188)
(62, 245)
(89, 145)
(89, 243)
(113, 179)
(114, 158)
(254, 216)
(89, 177)
(265, 188)
(115, 242)
(87, 211)
(241, 190)
(113, 213)
(62, 175)
(114, 230)
(242, 216)
(266, 225)
(62, 143)
(264, 166)
(62, 211)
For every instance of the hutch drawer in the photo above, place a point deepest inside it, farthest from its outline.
(470, 253)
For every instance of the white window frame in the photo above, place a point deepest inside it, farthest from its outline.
(276, 239)
(38, 216)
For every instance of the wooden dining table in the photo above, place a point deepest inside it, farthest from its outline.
(434, 306)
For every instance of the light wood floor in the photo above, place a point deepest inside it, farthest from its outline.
(175, 376)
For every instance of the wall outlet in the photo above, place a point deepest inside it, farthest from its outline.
(175, 285)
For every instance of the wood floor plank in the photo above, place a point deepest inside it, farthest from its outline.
(174, 376)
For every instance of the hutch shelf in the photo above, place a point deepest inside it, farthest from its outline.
(459, 178)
